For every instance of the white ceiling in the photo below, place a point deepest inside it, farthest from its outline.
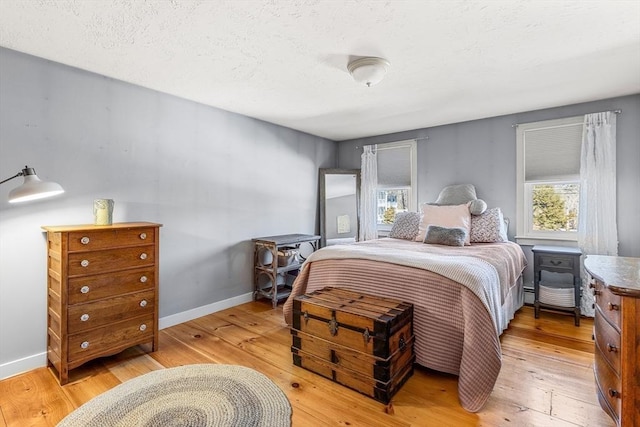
(284, 61)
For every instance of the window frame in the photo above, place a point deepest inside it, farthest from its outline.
(412, 144)
(524, 209)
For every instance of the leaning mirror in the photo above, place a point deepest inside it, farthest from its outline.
(339, 201)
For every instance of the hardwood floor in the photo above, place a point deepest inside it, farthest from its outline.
(546, 377)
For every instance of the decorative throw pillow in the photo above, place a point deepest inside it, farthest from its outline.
(488, 227)
(456, 194)
(459, 194)
(445, 216)
(405, 226)
(445, 236)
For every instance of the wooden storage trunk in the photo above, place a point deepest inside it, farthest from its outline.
(360, 341)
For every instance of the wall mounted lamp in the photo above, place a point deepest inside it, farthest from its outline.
(32, 188)
(368, 70)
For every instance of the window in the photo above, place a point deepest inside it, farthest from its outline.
(548, 166)
(396, 180)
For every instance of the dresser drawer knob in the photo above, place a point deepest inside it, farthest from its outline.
(84, 317)
(143, 303)
(84, 263)
(143, 255)
(611, 348)
(143, 327)
(143, 236)
(614, 393)
(84, 289)
(85, 240)
(143, 279)
(85, 344)
(613, 307)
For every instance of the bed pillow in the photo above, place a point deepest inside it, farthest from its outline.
(446, 236)
(405, 226)
(459, 194)
(488, 227)
(456, 194)
(456, 216)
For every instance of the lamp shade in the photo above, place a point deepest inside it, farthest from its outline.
(369, 70)
(33, 188)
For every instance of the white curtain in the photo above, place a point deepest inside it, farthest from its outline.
(597, 228)
(368, 198)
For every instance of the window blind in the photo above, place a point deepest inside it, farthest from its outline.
(552, 153)
(394, 167)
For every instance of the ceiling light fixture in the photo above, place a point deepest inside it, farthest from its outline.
(368, 70)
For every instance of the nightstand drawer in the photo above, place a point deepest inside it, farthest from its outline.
(607, 341)
(608, 384)
(608, 304)
(556, 262)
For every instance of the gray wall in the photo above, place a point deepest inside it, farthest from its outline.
(213, 178)
(483, 152)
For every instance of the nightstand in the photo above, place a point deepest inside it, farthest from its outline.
(556, 259)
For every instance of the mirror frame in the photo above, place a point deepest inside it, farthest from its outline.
(322, 194)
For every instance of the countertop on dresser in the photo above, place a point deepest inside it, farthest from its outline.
(620, 274)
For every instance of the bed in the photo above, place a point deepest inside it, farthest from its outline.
(463, 296)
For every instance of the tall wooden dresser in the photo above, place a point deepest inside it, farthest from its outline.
(616, 286)
(102, 291)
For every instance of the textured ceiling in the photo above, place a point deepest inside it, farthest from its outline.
(284, 61)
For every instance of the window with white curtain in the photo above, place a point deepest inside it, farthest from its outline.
(548, 174)
(396, 191)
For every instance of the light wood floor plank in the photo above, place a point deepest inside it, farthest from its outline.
(546, 377)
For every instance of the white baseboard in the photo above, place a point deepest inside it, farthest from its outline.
(25, 364)
(194, 313)
(39, 360)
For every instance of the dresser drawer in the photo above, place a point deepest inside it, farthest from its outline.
(608, 384)
(82, 317)
(556, 262)
(609, 304)
(109, 339)
(101, 239)
(608, 341)
(85, 289)
(83, 263)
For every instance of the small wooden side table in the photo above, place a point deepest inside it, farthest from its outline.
(271, 289)
(557, 259)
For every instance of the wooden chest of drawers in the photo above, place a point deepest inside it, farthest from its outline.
(362, 342)
(102, 291)
(616, 286)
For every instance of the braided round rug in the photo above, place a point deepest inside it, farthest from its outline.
(190, 396)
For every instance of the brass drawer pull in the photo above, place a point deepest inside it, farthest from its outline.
(592, 285)
(84, 290)
(143, 255)
(84, 263)
(85, 344)
(85, 240)
(143, 327)
(611, 348)
(84, 317)
(613, 307)
(143, 303)
(143, 236)
(614, 393)
(143, 279)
